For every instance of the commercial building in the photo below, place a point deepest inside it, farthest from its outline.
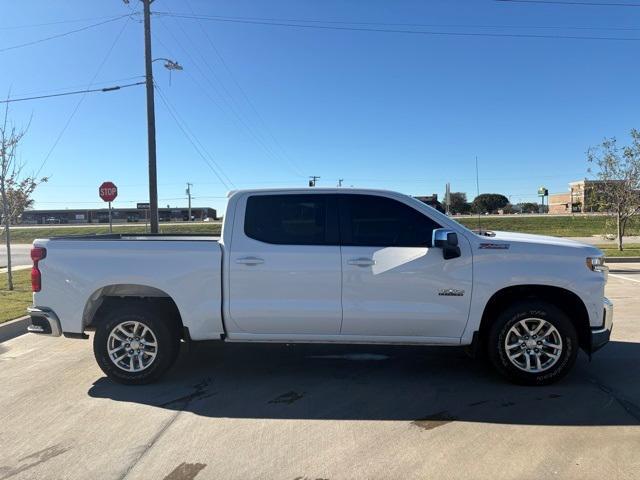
(581, 198)
(119, 215)
(432, 201)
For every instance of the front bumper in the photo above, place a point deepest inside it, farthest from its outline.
(44, 322)
(600, 335)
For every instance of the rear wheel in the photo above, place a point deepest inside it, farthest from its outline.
(135, 343)
(533, 343)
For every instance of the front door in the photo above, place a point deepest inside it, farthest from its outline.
(284, 266)
(394, 283)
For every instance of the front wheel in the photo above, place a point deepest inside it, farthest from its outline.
(533, 343)
(135, 344)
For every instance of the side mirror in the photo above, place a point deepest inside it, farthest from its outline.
(447, 240)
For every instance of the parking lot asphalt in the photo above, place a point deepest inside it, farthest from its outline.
(332, 412)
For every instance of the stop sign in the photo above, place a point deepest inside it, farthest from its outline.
(108, 191)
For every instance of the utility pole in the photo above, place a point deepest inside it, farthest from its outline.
(447, 199)
(151, 120)
(312, 180)
(340, 180)
(189, 185)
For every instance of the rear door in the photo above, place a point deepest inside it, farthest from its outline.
(285, 265)
(394, 283)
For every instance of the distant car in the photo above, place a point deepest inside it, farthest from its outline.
(52, 220)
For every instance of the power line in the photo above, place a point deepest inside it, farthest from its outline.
(64, 34)
(77, 86)
(233, 109)
(561, 2)
(387, 24)
(408, 32)
(247, 99)
(75, 110)
(189, 136)
(105, 89)
(59, 22)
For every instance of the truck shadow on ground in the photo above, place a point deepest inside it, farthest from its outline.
(429, 386)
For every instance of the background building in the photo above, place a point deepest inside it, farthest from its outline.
(581, 198)
(119, 215)
(432, 201)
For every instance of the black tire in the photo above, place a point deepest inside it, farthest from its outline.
(161, 326)
(533, 309)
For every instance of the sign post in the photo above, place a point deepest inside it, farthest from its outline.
(145, 207)
(542, 193)
(108, 193)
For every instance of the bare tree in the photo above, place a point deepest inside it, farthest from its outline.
(618, 171)
(15, 188)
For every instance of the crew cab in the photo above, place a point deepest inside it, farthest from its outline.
(325, 266)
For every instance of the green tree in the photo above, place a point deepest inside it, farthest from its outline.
(489, 202)
(458, 203)
(618, 171)
(15, 187)
(529, 207)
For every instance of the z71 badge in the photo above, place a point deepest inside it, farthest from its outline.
(451, 292)
(494, 246)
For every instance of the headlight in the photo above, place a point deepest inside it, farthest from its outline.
(596, 264)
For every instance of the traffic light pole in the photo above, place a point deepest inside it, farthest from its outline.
(151, 120)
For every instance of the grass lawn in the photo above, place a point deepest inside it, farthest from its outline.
(13, 304)
(28, 235)
(576, 226)
(630, 250)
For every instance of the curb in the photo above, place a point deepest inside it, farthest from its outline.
(14, 328)
(622, 259)
(15, 268)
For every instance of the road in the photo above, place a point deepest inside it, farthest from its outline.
(333, 412)
(20, 254)
(115, 225)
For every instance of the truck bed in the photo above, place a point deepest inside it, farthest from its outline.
(140, 236)
(186, 268)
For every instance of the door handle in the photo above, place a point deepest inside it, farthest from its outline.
(361, 262)
(249, 261)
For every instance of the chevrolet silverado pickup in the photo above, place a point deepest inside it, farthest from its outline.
(325, 266)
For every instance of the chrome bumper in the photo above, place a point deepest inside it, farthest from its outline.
(600, 335)
(44, 322)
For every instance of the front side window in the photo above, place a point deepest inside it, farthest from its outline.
(290, 219)
(373, 221)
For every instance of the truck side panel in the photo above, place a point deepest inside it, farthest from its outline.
(76, 273)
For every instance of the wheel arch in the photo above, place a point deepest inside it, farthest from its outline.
(566, 300)
(110, 295)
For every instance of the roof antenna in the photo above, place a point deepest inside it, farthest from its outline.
(477, 195)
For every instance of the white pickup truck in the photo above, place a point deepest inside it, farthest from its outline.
(325, 266)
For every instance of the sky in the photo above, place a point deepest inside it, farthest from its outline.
(273, 92)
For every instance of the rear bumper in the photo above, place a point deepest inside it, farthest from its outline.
(44, 322)
(600, 335)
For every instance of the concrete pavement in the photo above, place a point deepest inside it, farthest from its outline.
(20, 254)
(336, 412)
(600, 240)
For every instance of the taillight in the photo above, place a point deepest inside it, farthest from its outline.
(37, 254)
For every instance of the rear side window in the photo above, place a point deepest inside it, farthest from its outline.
(372, 221)
(292, 219)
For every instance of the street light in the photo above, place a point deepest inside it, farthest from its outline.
(169, 65)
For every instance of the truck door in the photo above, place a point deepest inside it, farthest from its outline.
(394, 283)
(284, 266)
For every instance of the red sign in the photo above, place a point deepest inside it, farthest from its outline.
(108, 191)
